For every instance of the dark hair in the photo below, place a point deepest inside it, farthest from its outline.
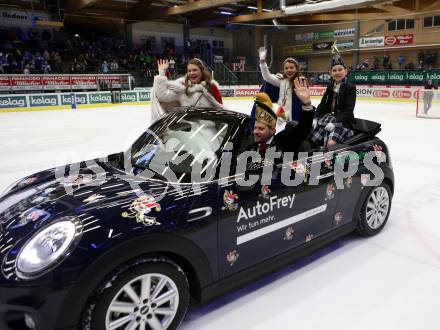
(294, 62)
(206, 75)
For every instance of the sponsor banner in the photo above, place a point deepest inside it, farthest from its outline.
(12, 101)
(345, 44)
(299, 49)
(21, 18)
(103, 97)
(218, 59)
(323, 35)
(386, 93)
(43, 100)
(360, 77)
(317, 91)
(129, 97)
(144, 95)
(415, 77)
(381, 93)
(322, 45)
(371, 42)
(55, 82)
(83, 82)
(25, 82)
(405, 39)
(402, 94)
(393, 77)
(110, 81)
(227, 92)
(239, 92)
(80, 98)
(304, 37)
(396, 77)
(379, 77)
(433, 75)
(4, 84)
(348, 32)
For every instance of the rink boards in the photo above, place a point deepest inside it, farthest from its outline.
(84, 100)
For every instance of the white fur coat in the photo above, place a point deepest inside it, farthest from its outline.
(167, 95)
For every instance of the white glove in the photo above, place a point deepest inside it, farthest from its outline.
(330, 127)
(262, 52)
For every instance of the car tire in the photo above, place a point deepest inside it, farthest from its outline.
(375, 210)
(120, 298)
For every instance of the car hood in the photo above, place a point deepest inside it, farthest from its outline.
(100, 190)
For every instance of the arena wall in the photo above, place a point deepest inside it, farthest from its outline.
(84, 100)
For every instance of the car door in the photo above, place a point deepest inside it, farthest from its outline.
(353, 185)
(258, 222)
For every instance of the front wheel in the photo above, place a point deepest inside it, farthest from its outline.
(375, 210)
(147, 294)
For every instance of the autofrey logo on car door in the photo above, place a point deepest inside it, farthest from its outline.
(259, 223)
(260, 218)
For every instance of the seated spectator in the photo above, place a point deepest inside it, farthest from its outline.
(400, 61)
(27, 69)
(46, 68)
(46, 55)
(104, 67)
(3, 63)
(410, 66)
(386, 60)
(114, 66)
(365, 64)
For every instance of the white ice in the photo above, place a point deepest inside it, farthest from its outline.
(390, 281)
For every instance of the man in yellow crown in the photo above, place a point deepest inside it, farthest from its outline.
(288, 139)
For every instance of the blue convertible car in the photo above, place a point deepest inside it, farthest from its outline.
(124, 242)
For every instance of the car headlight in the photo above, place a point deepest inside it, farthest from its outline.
(45, 248)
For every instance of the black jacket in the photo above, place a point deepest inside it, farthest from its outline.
(291, 138)
(345, 103)
(432, 86)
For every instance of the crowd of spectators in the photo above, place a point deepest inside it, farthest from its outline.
(426, 60)
(36, 52)
(30, 52)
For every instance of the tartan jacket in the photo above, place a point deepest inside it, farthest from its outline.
(345, 102)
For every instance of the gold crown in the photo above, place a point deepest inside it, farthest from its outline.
(264, 112)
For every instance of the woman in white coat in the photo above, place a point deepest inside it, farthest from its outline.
(289, 104)
(196, 88)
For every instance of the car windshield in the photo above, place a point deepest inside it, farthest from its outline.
(180, 146)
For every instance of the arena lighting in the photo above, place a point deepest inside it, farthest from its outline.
(255, 8)
(127, 1)
(226, 13)
(324, 5)
(278, 26)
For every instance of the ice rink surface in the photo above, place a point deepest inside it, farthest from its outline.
(390, 281)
